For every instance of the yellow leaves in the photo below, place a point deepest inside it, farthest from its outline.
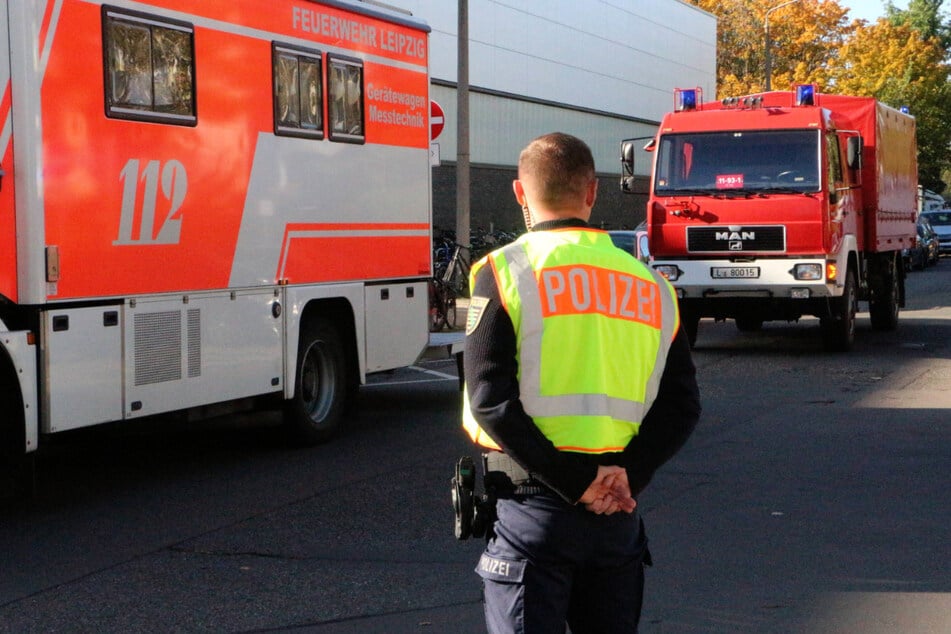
(881, 58)
(801, 35)
(812, 41)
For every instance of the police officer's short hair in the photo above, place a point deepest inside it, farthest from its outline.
(561, 165)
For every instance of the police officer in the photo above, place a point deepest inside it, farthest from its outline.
(580, 384)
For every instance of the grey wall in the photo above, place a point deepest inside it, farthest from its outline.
(492, 201)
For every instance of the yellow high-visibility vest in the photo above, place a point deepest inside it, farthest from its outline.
(593, 327)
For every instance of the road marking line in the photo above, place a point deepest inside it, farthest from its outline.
(434, 373)
(441, 376)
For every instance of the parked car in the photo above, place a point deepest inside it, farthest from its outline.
(941, 222)
(926, 249)
(934, 244)
(634, 241)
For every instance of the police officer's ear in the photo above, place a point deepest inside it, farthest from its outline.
(523, 201)
(519, 190)
(591, 193)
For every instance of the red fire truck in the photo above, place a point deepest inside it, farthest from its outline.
(780, 205)
(207, 202)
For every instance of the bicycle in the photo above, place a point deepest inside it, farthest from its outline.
(442, 306)
(455, 273)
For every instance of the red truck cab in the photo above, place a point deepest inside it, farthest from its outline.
(783, 204)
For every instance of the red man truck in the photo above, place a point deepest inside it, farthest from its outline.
(780, 205)
(206, 204)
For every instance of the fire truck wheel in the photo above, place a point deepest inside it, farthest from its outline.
(17, 476)
(838, 329)
(745, 323)
(690, 322)
(883, 306)
(313, 415)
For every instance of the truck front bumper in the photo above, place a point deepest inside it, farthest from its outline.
(773, 279)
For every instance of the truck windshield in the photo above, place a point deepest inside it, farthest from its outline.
(721, 163)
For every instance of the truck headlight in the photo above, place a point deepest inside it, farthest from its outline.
(812, 271)
(670, 271)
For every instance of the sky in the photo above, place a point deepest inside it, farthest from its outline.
(870, 10)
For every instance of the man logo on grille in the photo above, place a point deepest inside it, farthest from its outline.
(734, 235)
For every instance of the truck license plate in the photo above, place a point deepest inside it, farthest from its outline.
(734, 272)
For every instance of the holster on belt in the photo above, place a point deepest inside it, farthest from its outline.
(508, 477)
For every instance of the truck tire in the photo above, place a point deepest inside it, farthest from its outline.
(884, 302)
(838, 329)
(321, 388)
(17, 470)
(748, 324)
(690, 322)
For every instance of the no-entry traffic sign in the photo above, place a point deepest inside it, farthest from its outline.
(437, 120)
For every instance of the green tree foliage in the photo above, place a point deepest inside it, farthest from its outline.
(900, 60)
(925, 17)
(802, 35)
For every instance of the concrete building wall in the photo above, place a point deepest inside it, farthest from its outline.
(603, 70)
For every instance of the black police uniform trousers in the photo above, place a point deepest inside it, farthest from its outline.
(551, 562)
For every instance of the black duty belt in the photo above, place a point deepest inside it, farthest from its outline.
(517, 480)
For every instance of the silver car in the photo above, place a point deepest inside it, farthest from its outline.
(941, 222)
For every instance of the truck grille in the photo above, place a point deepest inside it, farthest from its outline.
(736, 239)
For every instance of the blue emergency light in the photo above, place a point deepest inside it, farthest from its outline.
(905, 110)
(805, 95)
(687, 99)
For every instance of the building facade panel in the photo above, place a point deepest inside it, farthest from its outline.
(624, 57)
(499, 126)
(602, 70)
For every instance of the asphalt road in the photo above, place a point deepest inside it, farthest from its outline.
(813, 497)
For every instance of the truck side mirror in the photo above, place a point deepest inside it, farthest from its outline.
(627, 161)
(627, 166)
(854, 152)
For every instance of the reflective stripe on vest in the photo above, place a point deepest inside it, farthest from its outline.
(638, 307)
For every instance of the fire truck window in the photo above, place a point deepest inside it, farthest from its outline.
(835, 161)
(150, 68)
(345, 94)
(310, 95)
(286, 91)
(298, 92)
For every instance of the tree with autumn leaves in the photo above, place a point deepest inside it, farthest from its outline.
(901, 60)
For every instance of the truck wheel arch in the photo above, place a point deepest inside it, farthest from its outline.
(12, 424)
(326, 375)
(17, 475)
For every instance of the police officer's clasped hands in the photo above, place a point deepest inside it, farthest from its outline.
(609, 493)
